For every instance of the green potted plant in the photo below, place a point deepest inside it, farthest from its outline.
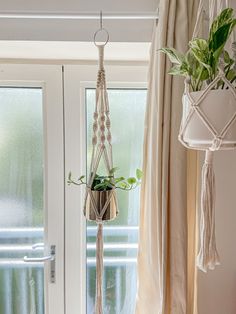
(101, 192)
(209, 101)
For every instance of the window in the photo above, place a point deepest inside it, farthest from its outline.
(127, 108)
(21, 198)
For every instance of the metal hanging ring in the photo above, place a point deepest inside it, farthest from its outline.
(99, 31)
(96, 34)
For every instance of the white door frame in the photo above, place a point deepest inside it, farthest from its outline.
(49, 78)
(76, 79)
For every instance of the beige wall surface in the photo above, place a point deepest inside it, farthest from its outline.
(217, 289)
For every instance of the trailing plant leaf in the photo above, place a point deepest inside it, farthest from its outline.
(108, 182)
(174, 55)
(199, 48)
(131, 180)
(124, 186)
(69, 176)
(139, 174)
(117, 180)
(223, 18)
(113, 170)
(227, 59)
(178, 70)
(231, 74)
(219, 39)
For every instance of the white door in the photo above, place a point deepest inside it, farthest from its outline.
(31, 190)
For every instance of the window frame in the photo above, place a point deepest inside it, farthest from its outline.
(76, 79)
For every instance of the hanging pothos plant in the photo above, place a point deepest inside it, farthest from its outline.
(200, 63)
(209, 114)
(110, 181)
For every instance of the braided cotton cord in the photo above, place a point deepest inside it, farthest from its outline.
(208, 255)
(101, 148)
(199, 19)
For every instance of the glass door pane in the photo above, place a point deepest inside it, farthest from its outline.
(127, 110)
(21, 200)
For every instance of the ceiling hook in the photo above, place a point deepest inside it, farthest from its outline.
(101, 30)
(101, 26)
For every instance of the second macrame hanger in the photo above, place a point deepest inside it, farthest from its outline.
(208, 256)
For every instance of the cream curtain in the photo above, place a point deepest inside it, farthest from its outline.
(167, 244)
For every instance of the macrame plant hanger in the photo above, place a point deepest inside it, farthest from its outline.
(218, 138)
(100, 206)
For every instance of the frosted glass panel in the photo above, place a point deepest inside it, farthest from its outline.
(21, 199)
(127, 108)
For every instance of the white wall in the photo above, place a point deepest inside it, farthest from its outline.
(121, 31)
(217, 289)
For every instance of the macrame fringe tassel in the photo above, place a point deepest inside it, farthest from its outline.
(99, 269)
(208, 256)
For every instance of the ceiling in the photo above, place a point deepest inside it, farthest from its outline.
(76, 30)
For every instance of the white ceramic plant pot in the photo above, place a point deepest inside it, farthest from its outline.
(100, 198)
(219, 106)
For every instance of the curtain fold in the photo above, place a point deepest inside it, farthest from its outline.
(167, 243)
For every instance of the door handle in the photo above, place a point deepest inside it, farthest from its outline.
(51, 258)
(38, 259)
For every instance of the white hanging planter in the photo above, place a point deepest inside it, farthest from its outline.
(205, 119)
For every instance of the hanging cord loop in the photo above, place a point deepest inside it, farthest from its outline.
(99, 32)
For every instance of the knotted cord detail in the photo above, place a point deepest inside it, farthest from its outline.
(101, 149)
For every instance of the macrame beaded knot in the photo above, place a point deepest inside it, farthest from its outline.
(216, 143)
(102, 128)
(95, 127)
(94, 140)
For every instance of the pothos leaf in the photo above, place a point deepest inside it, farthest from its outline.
(124, 185)
(220, 38)
(113, 170)
(131, 180)
(174, 56)
(117, 180)
(200, 50)
(227, 58)
(223, 18)
(176, 70)
(139, 174)
(231, 74)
